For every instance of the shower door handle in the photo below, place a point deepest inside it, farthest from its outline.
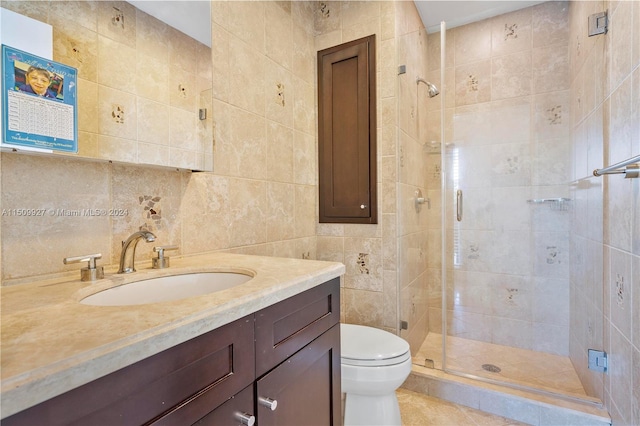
(459, 205)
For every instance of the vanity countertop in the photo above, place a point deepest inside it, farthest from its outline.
(51, 343)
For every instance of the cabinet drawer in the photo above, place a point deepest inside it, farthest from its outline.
(228, 413)
(221, 360)
(283, 328)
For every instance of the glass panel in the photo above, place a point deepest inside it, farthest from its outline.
(512, 278)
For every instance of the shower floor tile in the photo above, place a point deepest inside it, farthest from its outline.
(518, 366)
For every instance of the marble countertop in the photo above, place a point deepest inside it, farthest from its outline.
(51, 343)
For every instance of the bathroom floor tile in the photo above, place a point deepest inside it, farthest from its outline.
(418, 409)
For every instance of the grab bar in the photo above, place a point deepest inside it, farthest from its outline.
(629, 167)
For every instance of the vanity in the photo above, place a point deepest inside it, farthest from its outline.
(266, 352)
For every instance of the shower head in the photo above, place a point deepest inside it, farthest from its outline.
(432, 89)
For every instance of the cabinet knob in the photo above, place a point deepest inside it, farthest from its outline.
(363, 206)
(271, 404)
(245, 419)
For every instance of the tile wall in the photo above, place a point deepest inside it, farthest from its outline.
(605, 226)
(141, 82)
(261, 199)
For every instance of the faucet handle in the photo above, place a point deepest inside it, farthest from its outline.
(92, 272)
(161, 262)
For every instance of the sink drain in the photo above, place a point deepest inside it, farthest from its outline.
(492, 368)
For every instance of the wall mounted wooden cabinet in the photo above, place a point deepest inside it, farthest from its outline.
(347, 132)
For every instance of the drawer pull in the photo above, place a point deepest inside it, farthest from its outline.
(271, 404)
(245, 419)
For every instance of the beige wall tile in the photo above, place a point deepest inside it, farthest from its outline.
(305, 163)
(221, 57)
(183, 133)
(303, 55)
(151, 153)
(246, 20)
(279, 153)
(211, 228)
(152, 78)
(183, 90)
(34, 245)
(306, 215)
(247, 145)
(35, 10)
(278, 34)
(246, 82)
(511, 32)
(117, 113)
(551, 69)
(473, 83)
(549, 23)
(182, 51)
(87, 106)
(155, 128)
(511, 76)
(279, 94)
(472, 42)
(248, 212)
(363, 307)
(152, 36)
(620, 47)
(280, 212)
(117, 21)
(115, 64)
(77, 47)
(356, 12)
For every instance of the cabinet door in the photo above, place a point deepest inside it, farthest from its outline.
(347, 132)
(306, 386)
(231, 413)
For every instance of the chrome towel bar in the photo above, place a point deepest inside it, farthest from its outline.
(629, 167)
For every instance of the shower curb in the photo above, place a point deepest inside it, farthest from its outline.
(527, 407)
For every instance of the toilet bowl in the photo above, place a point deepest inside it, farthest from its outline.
(374, 364)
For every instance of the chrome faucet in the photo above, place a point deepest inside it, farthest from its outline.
(127, 257)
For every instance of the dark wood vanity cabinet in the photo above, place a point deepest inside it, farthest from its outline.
(288, 352)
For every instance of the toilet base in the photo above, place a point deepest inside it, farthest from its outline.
(378, 410)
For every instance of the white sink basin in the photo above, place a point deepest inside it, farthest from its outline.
(164, 289)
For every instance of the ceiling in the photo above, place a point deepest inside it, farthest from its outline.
(193, 17)
(456, 13)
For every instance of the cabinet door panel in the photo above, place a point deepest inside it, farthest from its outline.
(306, 386)
(285, 327)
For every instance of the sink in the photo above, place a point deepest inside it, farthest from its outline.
(164, 289)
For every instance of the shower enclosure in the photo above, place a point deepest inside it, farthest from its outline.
(492, 300)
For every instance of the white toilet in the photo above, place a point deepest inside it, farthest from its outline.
(374, 364)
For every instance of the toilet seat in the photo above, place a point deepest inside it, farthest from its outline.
(371, 347)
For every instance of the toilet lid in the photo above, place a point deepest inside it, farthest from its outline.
(361, 345)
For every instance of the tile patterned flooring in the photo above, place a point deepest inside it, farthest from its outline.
(418, 409)
(518, 366)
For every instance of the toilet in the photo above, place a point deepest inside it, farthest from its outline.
(374, 364)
